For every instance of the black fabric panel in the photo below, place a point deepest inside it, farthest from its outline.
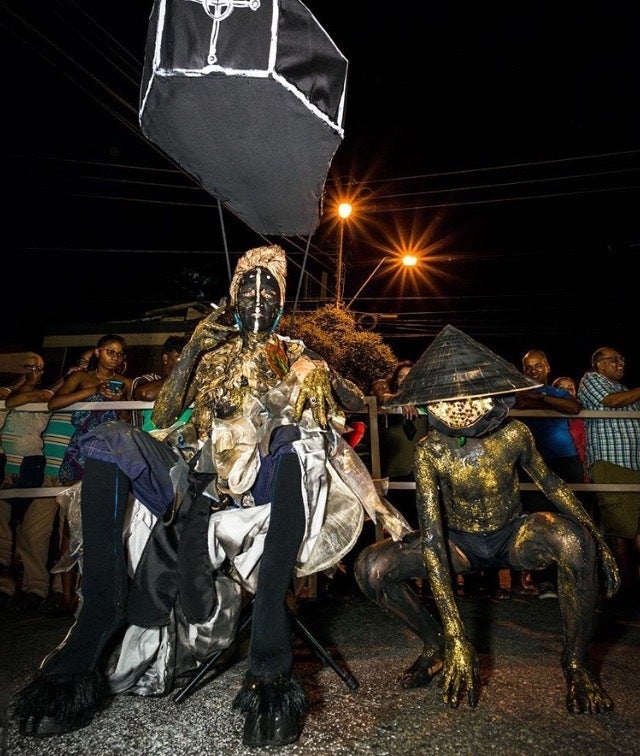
(159, 579)
(308, 58)
(196, 578)
(104, 499)
(246, 138)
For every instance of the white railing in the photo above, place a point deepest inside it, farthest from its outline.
(376, 469)
(373, 412)
(46, 491)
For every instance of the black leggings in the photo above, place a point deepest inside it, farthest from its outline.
(270, 651)
(103, 502)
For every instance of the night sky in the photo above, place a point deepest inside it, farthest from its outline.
(502, 139)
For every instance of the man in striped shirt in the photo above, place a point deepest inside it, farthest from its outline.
(613, 454)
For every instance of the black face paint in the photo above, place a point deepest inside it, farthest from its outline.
(258, 301)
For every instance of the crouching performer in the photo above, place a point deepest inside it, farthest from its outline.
(257, 486)
(471, 519)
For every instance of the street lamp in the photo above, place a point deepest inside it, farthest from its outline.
(408, 260)
(344, 211)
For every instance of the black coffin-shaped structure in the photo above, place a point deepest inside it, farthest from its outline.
(247, 96)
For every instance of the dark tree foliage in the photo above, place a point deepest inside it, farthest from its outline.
(332, 332)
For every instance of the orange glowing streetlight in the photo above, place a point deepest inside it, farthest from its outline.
(344, 211)
(408, 261)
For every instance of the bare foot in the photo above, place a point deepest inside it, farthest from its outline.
(584, 694)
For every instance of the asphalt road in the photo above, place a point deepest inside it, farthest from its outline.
(521, 709)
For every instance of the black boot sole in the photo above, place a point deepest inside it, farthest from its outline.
(48, 726)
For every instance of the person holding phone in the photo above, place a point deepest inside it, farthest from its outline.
(104, 383)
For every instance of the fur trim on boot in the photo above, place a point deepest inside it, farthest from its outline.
(53, 704)
(273, 708)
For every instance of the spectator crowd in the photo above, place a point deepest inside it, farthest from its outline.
(39, 449)
(580, 450)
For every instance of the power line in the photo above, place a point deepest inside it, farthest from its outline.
(509, 166)
(122, 56)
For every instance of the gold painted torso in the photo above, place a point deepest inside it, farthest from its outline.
(477, 481)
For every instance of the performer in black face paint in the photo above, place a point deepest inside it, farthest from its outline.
(273, 489)
(258, 301)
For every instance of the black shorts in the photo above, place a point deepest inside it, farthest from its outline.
(485, 550)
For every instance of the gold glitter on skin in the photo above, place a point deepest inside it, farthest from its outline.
(474, 488)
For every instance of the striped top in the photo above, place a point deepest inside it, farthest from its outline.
(139, 417)
(3, 417)
(56, 439)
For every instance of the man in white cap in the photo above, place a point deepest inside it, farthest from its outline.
(471, 518)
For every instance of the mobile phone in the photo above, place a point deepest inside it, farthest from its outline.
(409, 428)
(115, 386)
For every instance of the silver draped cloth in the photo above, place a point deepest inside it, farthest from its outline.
(337, 492)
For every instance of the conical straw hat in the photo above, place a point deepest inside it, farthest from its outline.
(455, 366)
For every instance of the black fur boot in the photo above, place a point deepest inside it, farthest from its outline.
(68, 689)
(56, 703)
(273, 708)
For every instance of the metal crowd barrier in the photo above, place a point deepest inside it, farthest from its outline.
(376, 469)
(46, 491)
(373, 412)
